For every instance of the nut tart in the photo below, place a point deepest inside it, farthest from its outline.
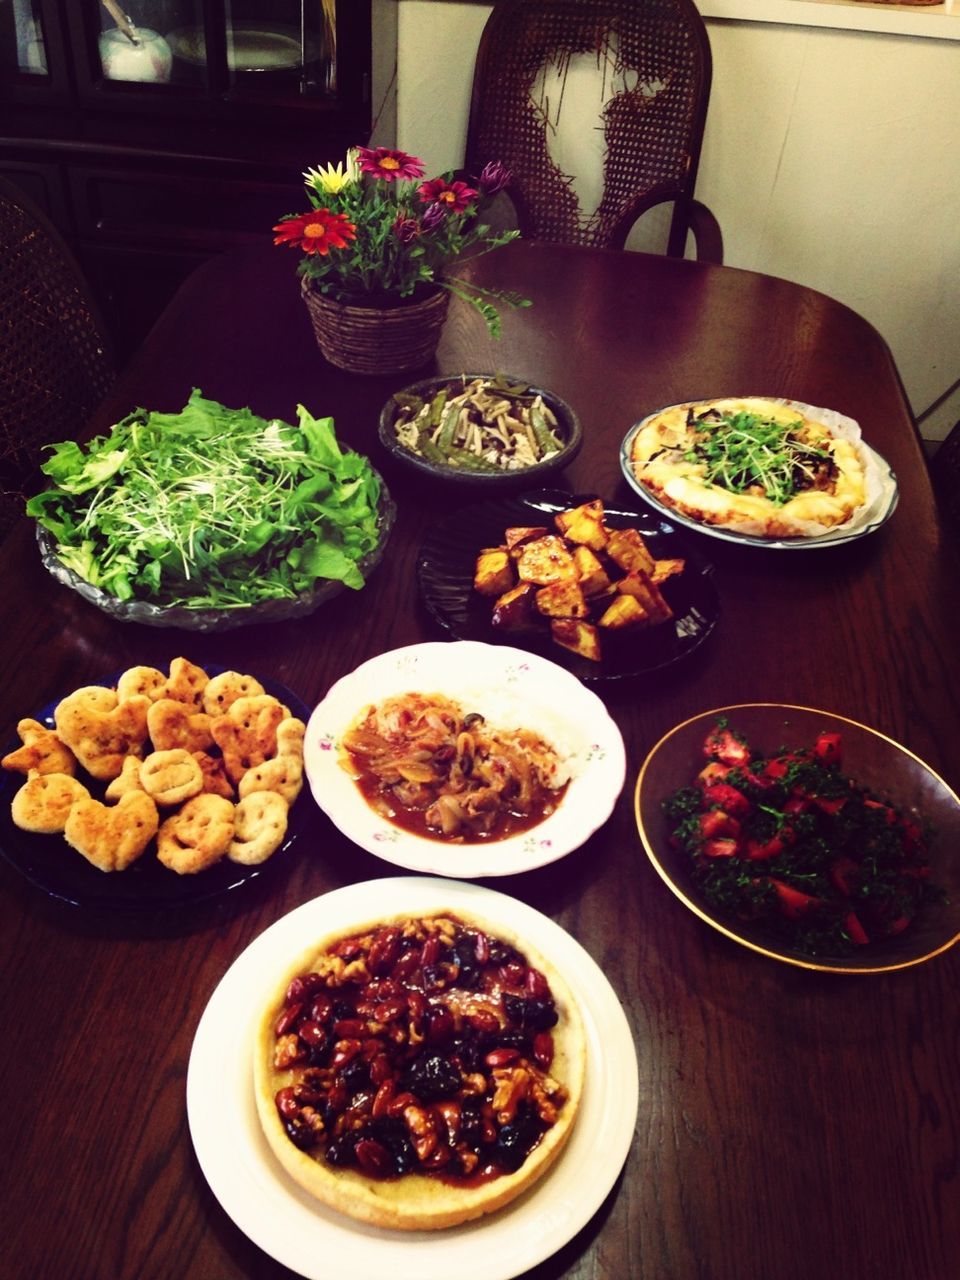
(419, 1072)
(758, 466)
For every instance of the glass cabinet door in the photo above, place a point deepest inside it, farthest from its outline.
(279, 48)
(23, 45)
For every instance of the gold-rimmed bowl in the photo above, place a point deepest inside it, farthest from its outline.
(873, 761)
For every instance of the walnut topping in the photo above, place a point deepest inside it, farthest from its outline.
(419, 1046)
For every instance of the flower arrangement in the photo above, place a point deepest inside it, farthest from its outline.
(377, 234)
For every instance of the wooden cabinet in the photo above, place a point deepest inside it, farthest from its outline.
(204, 150)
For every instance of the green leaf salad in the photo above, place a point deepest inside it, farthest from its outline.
(211, 507)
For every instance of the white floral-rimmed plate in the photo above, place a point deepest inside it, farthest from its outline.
(304, 1235)
(511, 689)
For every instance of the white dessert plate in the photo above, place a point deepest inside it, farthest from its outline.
(301, 1233)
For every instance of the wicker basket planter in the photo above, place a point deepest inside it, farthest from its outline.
(376, 340)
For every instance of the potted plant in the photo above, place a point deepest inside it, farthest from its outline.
(377, 244)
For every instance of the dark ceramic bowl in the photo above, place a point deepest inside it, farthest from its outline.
(871, 760)
(568, 430)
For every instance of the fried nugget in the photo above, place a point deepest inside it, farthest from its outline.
(111, 837)
(128, 779)
(44, 802)
(176, 724)
(42, 751)
(282, 774)
(145, 681)
(215, 778)
(171, 777)
(247, 734)
(260, 823)
(290, 735)
(196, 836)
(223, 691)
(102, 739)
(186, 682)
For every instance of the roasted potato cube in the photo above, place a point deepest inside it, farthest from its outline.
(519, 534)
(494, 572)
(626, 548)
(647, 594)
(545, 560)
(584, 524)
(625, 611)
(514, 609)
(590, 572)
(562, 599)
(663, 569)
(579, 637)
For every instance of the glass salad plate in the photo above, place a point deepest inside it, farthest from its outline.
(212, 619)
(301, 1233)
(511, 689)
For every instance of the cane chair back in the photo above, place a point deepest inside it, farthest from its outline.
(653, 65)
(55, 359)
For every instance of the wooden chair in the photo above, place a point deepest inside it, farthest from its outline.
(652, 63)
(55, 359)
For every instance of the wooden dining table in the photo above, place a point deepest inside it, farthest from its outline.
(789, 1123)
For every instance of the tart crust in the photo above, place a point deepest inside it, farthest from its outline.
(656, 456)
(416, 1201)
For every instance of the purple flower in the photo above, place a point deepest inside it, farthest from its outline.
(494, 177)
(406, 229)
(433, 217)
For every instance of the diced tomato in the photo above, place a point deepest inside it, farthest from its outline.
(889, 814)
(713, 772)
(723, 745)
(843, 875)
(726, 797)
(720, 848)
(898, 925)
(717, 823)
(777, 768)
(828, 749)
(829, 804)
(855, 929)
(794, 903)
(762, 850)
(911, 836)
(796, 804)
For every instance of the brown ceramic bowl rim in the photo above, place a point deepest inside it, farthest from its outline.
(717, 921)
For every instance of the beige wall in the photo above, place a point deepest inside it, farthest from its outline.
(831, 157)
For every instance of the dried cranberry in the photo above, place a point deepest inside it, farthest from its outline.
(431, 1076)
(532, 1015)
(515, 1141)
(440, 1024)
(299, 1132)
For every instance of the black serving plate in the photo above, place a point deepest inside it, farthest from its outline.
(49, 863)
(447, 560)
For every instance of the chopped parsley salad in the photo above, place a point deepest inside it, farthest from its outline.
(211, 507)
(792, 844)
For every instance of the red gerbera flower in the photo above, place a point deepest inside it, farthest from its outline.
(381, 162)
(454, 196)
(316, 232)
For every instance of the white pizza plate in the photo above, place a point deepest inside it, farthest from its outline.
(511, 688)
(880, 508)
(302, 1234)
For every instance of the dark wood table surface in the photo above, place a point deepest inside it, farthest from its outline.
(790, 1123)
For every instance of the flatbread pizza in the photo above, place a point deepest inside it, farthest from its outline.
(419, 1072)
(760, 466)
